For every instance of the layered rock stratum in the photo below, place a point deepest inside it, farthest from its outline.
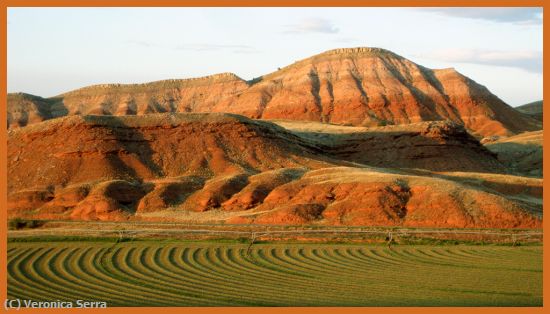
(353, 86)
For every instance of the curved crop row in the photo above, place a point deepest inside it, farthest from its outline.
(208, 274)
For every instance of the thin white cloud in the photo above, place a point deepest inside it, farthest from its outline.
(141, 43)
(214, 47)
(312, 25)
(201, 47)
(345, 40)
(530, 61)
(501, 15)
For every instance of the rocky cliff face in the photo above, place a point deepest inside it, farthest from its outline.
(243, 170)
(356, 86)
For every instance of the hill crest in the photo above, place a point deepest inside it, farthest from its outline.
(356, 86)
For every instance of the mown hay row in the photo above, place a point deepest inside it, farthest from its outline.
(217, 274)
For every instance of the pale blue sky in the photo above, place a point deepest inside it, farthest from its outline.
(54, 50)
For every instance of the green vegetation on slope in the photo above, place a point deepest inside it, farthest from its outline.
(533, 109)
(232, 274)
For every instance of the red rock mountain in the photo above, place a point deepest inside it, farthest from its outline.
(172, 166)
(356, 86)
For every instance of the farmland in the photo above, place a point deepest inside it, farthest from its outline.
(229, 273)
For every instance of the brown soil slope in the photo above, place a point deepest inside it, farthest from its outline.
(357, 86)
(163, 166)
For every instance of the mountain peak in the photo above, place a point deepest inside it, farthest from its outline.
(352, 52)
(360, 86)
(358, 51)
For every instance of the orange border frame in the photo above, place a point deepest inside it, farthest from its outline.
(256, 3)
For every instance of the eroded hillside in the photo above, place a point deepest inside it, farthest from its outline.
(225, 167)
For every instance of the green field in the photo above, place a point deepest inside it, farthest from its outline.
(164, 273)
